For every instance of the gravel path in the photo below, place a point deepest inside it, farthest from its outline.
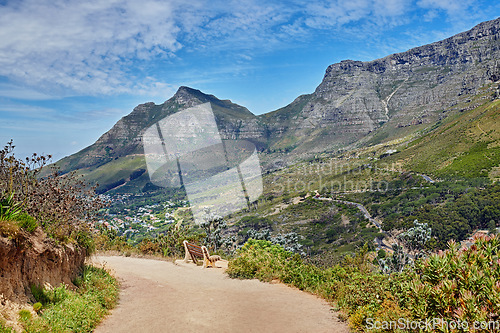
(159, 296)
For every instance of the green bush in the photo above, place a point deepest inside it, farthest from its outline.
(457, 284)
(26, 222)
(85, 239)
(37, 307)
(461, 283)
(25, 315)
(47, 297)
(40, 295)
(108, 239)
(9, 207)
(64, 206)
(351, 286)
(69, 311)
(259, 259)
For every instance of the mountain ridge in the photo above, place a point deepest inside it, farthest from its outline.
(357, 103)
(359, 96)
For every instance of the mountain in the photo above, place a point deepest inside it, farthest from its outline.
(117, 157)
(357, 104)
(382, 98)
(124, 138)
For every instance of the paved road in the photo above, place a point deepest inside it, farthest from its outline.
(427, 178)
(360, 207)
(160, 296)
(367, 215)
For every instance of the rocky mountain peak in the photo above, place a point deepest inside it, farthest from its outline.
(187, 96)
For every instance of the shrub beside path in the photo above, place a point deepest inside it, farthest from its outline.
(160, 296)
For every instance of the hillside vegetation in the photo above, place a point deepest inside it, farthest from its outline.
(465, 146)
(45, 236)
(451, 289)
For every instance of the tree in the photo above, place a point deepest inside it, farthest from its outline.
(213, 226)
(412, 248)
(396, 262)
(415, 238)
(289, 241)
(492, 227)
(490, 213)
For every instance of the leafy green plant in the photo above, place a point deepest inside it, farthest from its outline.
(25, 315)
(460, 283)
(37, 307)
(40, 295)
(85, 239)
(258, 259)
(9, 208)
(46, 297)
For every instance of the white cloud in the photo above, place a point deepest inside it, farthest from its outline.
(452, 7)
(83, 45)
(17, 92)
(98, 47)
(337, 13)
(391, 7)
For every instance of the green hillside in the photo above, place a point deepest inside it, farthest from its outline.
(127, 171)
(465, 146)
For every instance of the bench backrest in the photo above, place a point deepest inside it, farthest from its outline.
(194, 250)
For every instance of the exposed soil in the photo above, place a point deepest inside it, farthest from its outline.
(161, 296)
(33, 259)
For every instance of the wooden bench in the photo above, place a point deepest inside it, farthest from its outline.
(193, 252)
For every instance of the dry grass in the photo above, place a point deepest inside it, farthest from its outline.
(8, 228)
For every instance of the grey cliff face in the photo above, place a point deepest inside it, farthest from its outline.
(403, 89)
(355, 100)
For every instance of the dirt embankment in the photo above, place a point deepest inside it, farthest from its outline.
(29, 259)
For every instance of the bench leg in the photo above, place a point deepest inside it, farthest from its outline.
(187, 257)
(206, 259)
(207, 263)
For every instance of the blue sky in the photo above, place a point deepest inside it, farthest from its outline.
(69, 69)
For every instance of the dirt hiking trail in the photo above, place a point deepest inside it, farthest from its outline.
(160, 296)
